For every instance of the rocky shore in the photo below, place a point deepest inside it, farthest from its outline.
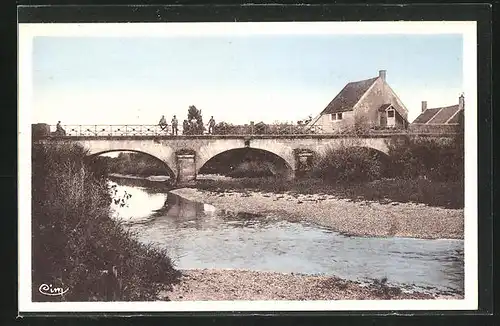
(207, 284)
(361, 218)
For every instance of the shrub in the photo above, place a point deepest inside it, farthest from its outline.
(75, 243)
(348, 164)
(224, 128)
(435, 159)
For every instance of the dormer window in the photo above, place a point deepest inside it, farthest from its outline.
(336, 116)
(390, 113)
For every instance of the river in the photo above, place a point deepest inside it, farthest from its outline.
(198, 235)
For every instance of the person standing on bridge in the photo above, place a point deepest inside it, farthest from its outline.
(174, 125)
(163, 123)
(211, 125)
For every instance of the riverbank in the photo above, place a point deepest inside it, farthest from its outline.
(74, 239)
(208, 284)
(445, 194)
(156, 178)
(358, 218)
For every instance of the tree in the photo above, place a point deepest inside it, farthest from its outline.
(195, 121)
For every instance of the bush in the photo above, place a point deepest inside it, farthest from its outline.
(435, 159)
(75, 243)
(224, 128)
(348, 164)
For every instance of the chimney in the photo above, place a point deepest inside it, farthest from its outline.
(424, 106)
(461, 102)
(382, 74)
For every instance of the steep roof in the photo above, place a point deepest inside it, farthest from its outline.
(441, 115)
(456, 118)
(349, 96)
(384, 107)
(426, 115)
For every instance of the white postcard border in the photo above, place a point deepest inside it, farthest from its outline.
(26, 34)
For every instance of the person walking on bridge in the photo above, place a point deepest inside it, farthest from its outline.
(174, 125)
(163, 123)
(211, 125)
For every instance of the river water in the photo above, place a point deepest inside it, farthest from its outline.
(198, 235)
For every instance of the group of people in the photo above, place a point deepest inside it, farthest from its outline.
(186, 125)
(163, 124)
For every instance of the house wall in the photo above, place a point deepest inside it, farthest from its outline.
(334, 126)
(366, 111)
(380, 93)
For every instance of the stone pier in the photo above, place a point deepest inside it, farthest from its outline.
(186, 167)
(304, 162)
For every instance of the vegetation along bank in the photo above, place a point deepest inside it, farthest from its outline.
(76, 245)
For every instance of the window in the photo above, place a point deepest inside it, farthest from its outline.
(390, 113)
(336, 116)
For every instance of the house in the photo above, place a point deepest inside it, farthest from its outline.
(369, 103)
(440, 119)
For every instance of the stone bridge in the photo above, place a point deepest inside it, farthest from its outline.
(184, 156)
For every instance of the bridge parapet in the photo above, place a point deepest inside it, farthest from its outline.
(266, 130)
(110, 132)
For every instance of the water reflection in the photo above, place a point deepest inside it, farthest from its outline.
(198, 235)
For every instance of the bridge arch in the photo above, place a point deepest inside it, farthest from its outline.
(282, 166)
(217, 146)
(171, 172)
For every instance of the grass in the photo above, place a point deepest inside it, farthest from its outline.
(432, 193)
(75, 243)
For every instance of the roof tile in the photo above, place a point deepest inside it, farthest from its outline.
(456, 118)
(425, 116)
(444, 114)
(438, 115)
(349, 96)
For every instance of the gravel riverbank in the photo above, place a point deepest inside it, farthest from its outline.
(342, 215)
(207, 284)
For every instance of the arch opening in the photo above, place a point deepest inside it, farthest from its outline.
(133, 163)
(246, 162)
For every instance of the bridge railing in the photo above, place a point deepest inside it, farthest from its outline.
(156, 130)
(113, 130)
(257, 129)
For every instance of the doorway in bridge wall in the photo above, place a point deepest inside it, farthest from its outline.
(245, 163)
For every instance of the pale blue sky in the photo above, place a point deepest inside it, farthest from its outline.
(112, 80)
